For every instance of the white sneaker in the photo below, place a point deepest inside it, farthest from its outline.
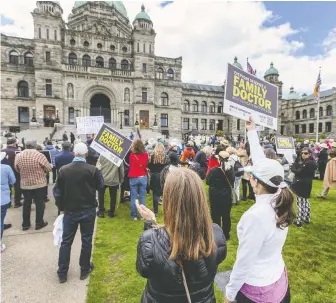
(135, 219)
(3, 247)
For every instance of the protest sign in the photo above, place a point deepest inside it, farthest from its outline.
(246, 95)
(284, 145)
(89, 124)
(111, 144)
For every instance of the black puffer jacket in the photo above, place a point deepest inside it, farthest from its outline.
(164, 276)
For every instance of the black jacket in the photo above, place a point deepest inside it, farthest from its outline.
(77, 184)
(323, 157)
(155, 172)
(164, 276)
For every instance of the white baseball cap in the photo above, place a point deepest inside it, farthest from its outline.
(80, 149)
(3, 155)
(265, 170)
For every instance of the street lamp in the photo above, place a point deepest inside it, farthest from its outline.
(33, 118)
(120, 113)
(155, 123)
(57, 118)
(136, 119)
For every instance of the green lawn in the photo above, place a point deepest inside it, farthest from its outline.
(310, 255)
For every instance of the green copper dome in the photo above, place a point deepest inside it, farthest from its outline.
(117, 4)
(236, 63)
(293, 95)
(143, 15)
(272, 71)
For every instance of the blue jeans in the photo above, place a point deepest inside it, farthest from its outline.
(138, 187)
(86, 220)
(3, 215)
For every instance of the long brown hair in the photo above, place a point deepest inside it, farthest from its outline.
(137, 147)
(159, 155)
(186, 216)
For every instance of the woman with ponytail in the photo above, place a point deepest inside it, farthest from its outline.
(259, 274)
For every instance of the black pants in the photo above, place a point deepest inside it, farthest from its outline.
(221, 215)
(17, 189)
(54, 173)
(38, 196)
(113, 198)
(322, 168)
(251, 192)
(243, 299)
(86, 220)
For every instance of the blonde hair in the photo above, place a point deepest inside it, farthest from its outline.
(208, 151)
(159, 155)
(231, 150)
(186, 216)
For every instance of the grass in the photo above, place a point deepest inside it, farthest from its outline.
(309, 255)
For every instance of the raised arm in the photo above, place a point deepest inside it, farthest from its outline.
(257, 152)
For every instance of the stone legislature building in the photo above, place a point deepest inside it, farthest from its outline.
(100, 64)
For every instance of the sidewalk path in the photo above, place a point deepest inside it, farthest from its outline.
(29, 263)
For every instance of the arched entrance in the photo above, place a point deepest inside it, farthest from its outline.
(100, 105)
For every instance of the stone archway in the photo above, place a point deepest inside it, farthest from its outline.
(100, 105)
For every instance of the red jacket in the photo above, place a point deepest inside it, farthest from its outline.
(137, 169)
(213, 162)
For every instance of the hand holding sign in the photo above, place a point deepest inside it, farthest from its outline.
(250, 124)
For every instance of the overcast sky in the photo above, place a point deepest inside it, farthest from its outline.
(208, 34)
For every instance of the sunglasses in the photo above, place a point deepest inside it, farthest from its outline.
(304, 153)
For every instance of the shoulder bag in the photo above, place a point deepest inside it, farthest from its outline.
(179, 262)
(233, 193)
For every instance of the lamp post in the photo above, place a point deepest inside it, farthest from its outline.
(57, 118)
(155, 123)
(120, 113)
(136, 119)
(33, 118)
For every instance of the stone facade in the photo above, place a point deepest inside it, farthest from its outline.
(100, 64)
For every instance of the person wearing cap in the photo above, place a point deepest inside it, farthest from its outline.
(322, 160)
(77, 184)
(7, 179)
(11, 151)
(65, 157)
(259, 273)
(32, 167)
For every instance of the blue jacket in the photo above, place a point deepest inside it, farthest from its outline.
(7, 178)
(53, 153)
(63, 158)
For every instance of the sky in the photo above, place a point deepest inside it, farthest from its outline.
(298, 37)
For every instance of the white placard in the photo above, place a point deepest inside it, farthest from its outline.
(89, 124)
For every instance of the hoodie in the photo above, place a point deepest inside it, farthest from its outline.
(53, 153)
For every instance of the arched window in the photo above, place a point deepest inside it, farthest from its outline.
(112, 47)
(70, 91)
(159, 73)
(124, 49)
(29, 59)
(164, 99)
(99, 45)
(212, 107)
(14, 57)
(86, 60)
(124, 64)
(321, 111)
(23, 90)
(71, 114)
(170, 74)
(186, 105)
(99, 62)
(204, 107)
(220, 108)
(195, 106)
(329, 110)
(312, 113)
(297, 115)
(127, 95)
(73, 42)
(72, 58)
(112, 63)
(86, 44)
(304, 114)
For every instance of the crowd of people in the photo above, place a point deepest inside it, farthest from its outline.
(179, 259)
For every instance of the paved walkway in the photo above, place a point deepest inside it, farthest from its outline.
(29, 263)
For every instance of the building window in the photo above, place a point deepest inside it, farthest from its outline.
(39, 33)
(72, 58)
(194, 123)
(71, 115)
(144, 47)
(321, 111)
(212, 124)
(304, 114)
(127, 95)
(28, 59)
(112, 48)
(126, 117)
(144, 95)
(170, 74)
(185, 123)
(55, 35)
(282, 129)
(297, 115)
(195, 106)
(48, 57)
(164, 120)
(186, 105)
(212, 107)
(86, 60)
(304, 128)
(311, 128)
(329, 110)
(124, 49)
(23, 114)
(48, 87)
(164, 99)
(99, 62)
(14, 57)
(47, 33)
(86, 44)
(220, 108)
(144, 67)
(23, 90)
(138, 47)
(159, 73)
(203, 124)
(204, 107)
(312, 113)
(328, 127)
(99, 45)
(112, 63)
(124, 64)
(320, 127)
(150, 48)
(297, 129)
(238, 124)
(73, 42)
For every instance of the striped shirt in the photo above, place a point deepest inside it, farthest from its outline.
(32, 166)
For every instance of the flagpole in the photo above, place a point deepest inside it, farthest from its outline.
(318, 113)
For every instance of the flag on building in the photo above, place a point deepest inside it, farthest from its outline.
(250, 69)
(317, 85)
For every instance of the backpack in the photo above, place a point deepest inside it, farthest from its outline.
(237, 166)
